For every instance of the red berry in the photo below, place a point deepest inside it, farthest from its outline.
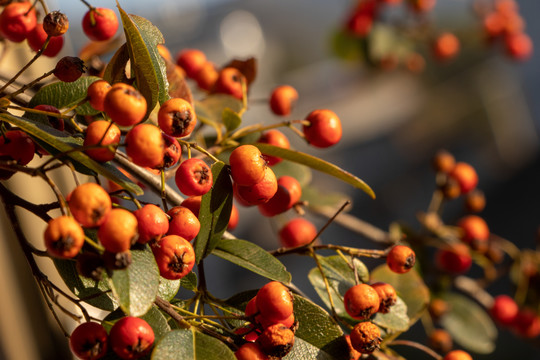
(37, 37)
(504, 310)
(324, 128)
(260, 192)
(233, 219)
(173, 151)
(193, 203)
(177, 118)
(527, 324)
(100, 24)
(191, 60)
(18, 146)
(174, 256)
(519, 46)
(465, 175)
(250, 351)
(454, 259)
(283, 99)
(89, 341)
(194, 177)
(276, 138)
(17, 20)
(446, 46)
(297, 232)
(230, 82)
(55, 122)
(474, 231)
(288, 193)
(183, 223)
(152, 223)
(131, 338)
(247, 165)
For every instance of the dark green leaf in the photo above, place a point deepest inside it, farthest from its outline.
(83, 287)
(340, 278)
(191, 345)
(64, 95)
(168, 288)
(116, 68)
(62, 142)
(215, 211)
(142, 38)
(409, 286)
(396, 319)
(252, 257)
(303, 350)
(154, 318)
(300, 172)
(137, 286)
(189, 282)
(317, 164)
(231, 119)
(469, 324)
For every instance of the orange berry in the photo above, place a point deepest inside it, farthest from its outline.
(102, 133)
(465, 175)
(164, 52)
(440, 341)
(274, 301)
(119, 230)
(89, 204)
(96, 94)
(276, 340)
(297, 232)
(233, 219)
(475, 201)
(247, 165)
(365, 337)
(193, 203)
(174, 256)
(361, 301)
(206, 76)
(183, 223)
(401, 259)
(152, 223)
(191, 60)
(446, 46)
(230, 82)
(457, 355)
(443, 161)
(145, 145)
(288, 193)
(276, 138)
(250, 351)
(176, 117)
(64, 237)
(387, 296)
(474, 231)
(324, 128)
(125, 105)
(283, 99)
(260, 192)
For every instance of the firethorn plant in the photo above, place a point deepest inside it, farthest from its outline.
(136, 248)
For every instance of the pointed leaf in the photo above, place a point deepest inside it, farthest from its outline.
(62, 142)
(168, 288)
(317, 164)
(231, 119)
(64, 95)
(252, 257)
(189, 282)
(142, 38)
(191, 345)
(116, 68)
(469, 324)
(409, 286)
(211, 108)
(215, 211)
(137, 286)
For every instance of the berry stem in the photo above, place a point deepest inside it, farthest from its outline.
(194, 145)
(417, 346)
(36, 111)
(94, 244)
(82, 102)
(27, 86)
(163, 190)
(167, 308)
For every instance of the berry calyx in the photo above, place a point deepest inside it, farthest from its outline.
(177, 118)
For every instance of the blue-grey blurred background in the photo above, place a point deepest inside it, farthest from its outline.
(483, 107)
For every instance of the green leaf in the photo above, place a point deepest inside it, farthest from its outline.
(252, 257)
(62, 142)
(154, 318)
(409, 286)
(396, 319)
(212, 107)
(231, 119)
(317, 164)
(142, 38)
(300, 172)
(215, 211)
(340, 278)
(469, 324)
(116, 68)
(304, 350)
(191, 345)
(189, 282)
(83, 287)
(347, 46)
(64, 95)
(168, 288)
(317, 198)
(137, 286)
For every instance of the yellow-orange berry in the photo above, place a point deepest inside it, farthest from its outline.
(89, 204)
(457, 355)
(247, 165)
(145, 145)
(64, 237)
(387, 296)
(96, 94)
(176, 117)
(365, 337)
(401, 259)
(105, 134)
(119, 230)
(125, 105)
(274, 301)
(361, 301)
(276, 340)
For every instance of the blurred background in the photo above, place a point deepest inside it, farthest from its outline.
(482, 107)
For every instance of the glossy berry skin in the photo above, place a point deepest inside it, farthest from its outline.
(193, 203)
(274, 302)
(125, 105)
(247, 165)
(89, 204)
(206, 76)
(100, 24)
(297, 232)
(250, 351)
(262, 191)
(465, 175)
(64, 237)
(17, 145)
(131, 338)
(457, 355)
(102, 133)
(191, 60)
(401, 259)
(287, 195)
(276, 340)
(387, 296)
(96, 94)
(230, 82)
(446, 46)
(174, 256)
(89, 341)
(283, 99)
(36, 39)
(173, 151)
(324, 129)
(177, 118)
(365, 337)
(17, 20)
(504, 310)
(474, 231)
(454, 259)
(194, 177)
(152, 223)
(361, 301)
(145, 145)
(69, 69)
(276, 138)
(183, 223)
(119, 230)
